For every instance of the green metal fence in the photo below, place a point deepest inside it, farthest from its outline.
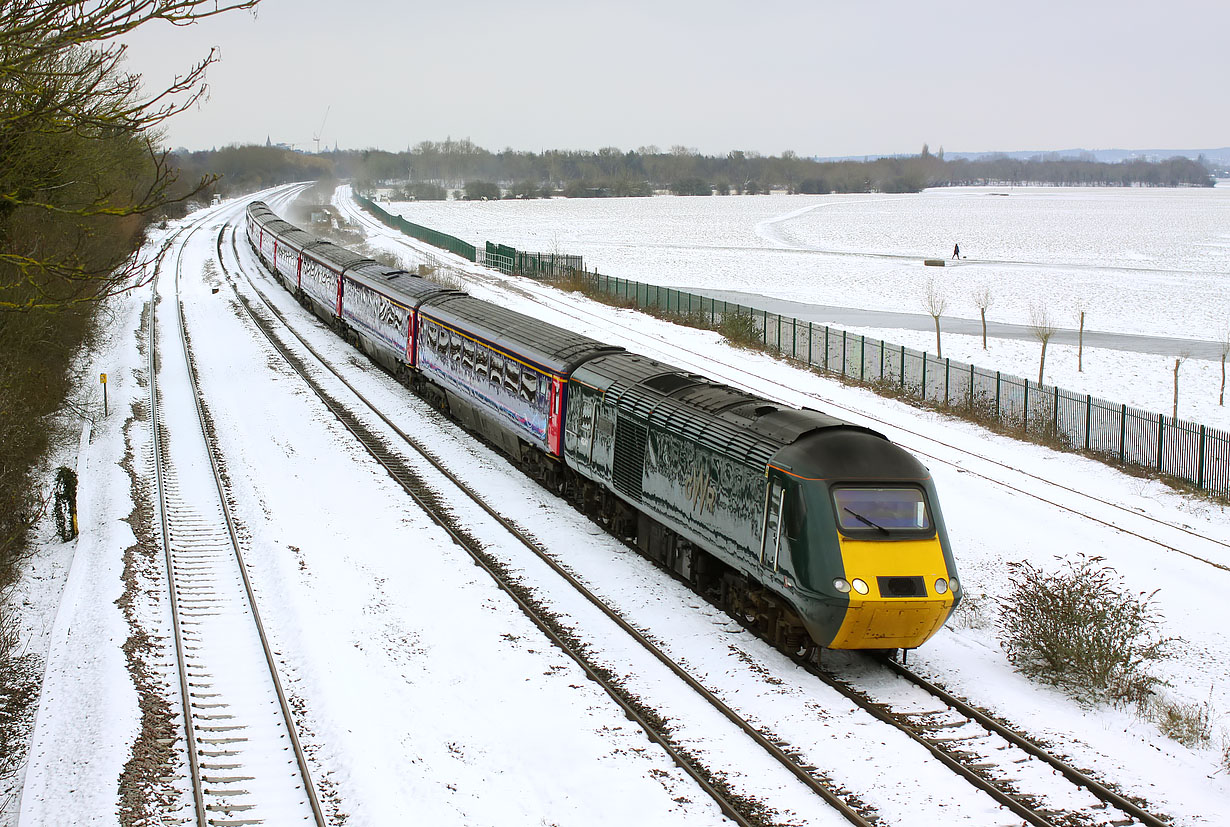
(1177, 448)
(516, 262)
(426, 234)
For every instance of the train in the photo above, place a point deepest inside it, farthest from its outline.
(816, 532)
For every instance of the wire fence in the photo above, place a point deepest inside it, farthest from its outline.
(1131, 437)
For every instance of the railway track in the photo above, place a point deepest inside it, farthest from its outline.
(245, 763)
(990, 755)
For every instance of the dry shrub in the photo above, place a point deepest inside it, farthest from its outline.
(1191, 724)
(971, 612)
(1081, 630)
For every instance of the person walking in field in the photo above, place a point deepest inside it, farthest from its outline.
(956, 251)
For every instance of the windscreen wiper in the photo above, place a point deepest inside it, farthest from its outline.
(861, 518)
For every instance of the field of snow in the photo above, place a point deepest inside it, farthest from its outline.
(1139, 261)
(391, 640)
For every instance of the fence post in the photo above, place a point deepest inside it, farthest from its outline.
(903, 370)
(947, 378)
(794, 338)
(1025, 417)
(1123, 434)
(826, 348)
(998, 417)
(765, 327)
(862, 359)
(843, 354)
(1055, 415)
(1088, 418)
(924, 377)
(810, 361)
(882, 349)
(971, 388)
(1161, 436)
(1200, 462)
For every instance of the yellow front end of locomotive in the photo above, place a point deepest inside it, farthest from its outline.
(901, 593)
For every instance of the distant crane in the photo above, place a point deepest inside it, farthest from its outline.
(316, 135)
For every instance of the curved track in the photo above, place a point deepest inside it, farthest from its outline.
(244, 758)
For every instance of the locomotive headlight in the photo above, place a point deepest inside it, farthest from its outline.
(954, 585)
(941, 586)
(841, 585)
(859, 586)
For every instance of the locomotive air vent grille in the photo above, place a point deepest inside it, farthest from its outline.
(629, 465)
(902, 587)
(668, 383)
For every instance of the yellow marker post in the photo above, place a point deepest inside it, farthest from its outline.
(102, 377)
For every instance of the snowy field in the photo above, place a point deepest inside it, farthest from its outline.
(392, 641)
(1139, 261)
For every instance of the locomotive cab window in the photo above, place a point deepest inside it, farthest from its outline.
(882, 511)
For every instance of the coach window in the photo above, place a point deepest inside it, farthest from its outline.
(497, 370)
(433, 335)
(454, 348)
(482, 363)
(512, 376)
(529, 386)
(467, 354)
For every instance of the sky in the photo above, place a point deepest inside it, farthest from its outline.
(820, 78)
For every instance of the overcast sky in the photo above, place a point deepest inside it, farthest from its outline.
(814, 76)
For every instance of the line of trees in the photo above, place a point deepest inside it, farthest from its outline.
(81, 175)
(460, 169)
(613, 172)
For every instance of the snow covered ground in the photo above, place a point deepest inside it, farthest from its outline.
(392, 641)
(1142, 261)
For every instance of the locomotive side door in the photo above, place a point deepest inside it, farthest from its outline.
(771, 540)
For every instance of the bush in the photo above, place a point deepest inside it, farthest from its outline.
(422, 191)
(741, 329)
(691, 186)
(65, 508)
(482, 191)
(1079, 629)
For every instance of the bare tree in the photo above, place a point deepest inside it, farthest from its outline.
(1080, 341)
(70, 117)
(936, 303)
(983, 299)
(1041, 326)
(1225, 350)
